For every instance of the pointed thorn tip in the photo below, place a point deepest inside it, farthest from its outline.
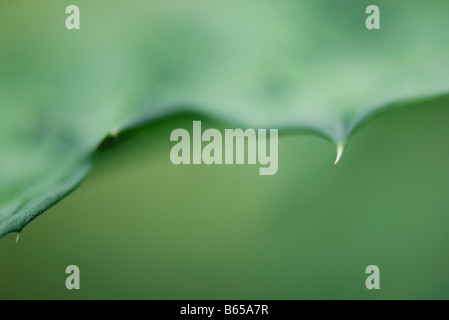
(340, 149)
(114, 132)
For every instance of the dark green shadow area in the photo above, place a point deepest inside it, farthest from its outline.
(140, 227)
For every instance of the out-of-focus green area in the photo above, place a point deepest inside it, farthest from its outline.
(140, 227)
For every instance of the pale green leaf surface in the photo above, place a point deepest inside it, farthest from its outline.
(307, 65)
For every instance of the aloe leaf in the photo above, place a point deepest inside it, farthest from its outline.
(308, 66)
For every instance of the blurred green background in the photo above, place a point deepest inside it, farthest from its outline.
(140, 227)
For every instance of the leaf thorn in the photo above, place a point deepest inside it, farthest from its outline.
(18, 237)
(340, 149)
(114, 132)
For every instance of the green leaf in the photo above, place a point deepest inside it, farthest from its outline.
(308, 66)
